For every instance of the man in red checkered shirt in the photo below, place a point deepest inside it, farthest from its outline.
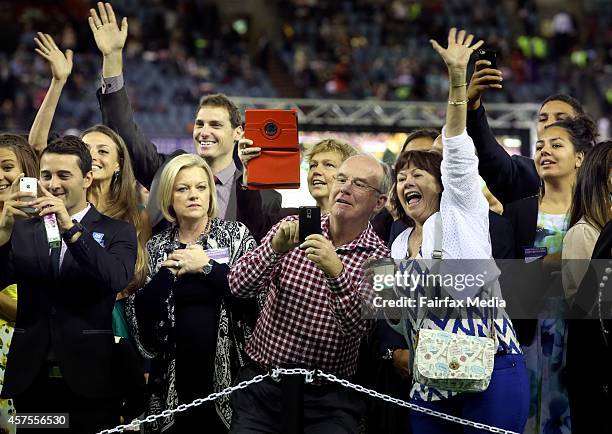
(312, 315)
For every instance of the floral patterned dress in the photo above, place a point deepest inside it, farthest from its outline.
(549, 411)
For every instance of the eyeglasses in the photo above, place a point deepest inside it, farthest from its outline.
(357, 183)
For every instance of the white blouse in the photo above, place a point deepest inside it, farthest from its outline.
(464, 213)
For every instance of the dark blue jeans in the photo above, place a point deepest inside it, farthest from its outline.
(505, 403)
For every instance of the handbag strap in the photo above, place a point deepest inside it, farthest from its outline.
(437, 251)
(437, 256)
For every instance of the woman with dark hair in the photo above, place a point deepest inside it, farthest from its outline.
(16, 158)
(591, 210)
(586, 247)
(510, 178)
(540, 223)
(112, 191)
(442, 195)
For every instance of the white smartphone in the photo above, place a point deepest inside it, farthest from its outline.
(28, 185)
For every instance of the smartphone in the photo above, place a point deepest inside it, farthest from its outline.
(490, 55)
(310, 221)
(28, 185)
(276, 133)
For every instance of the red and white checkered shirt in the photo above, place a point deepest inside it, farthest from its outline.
(308, 318)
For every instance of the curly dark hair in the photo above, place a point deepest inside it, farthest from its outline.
(582, 131)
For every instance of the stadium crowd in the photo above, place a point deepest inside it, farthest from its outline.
(139, 306)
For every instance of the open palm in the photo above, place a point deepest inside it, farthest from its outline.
(459, 50)
(108, 35)
(61, 64)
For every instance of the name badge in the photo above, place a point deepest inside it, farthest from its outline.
(534, 253)
(220, 256)
(99, 237)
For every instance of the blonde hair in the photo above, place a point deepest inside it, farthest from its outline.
(166, 184)
(345, 149)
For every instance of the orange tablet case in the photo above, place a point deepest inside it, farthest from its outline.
(276, 133)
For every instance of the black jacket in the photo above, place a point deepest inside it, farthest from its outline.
(70, 313)
(527, 285)
(509, 178)
(148, 165)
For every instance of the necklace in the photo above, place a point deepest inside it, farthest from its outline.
(602, 285)
(417, 239)
(200, 235)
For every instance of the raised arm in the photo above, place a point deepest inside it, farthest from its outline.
(462, 198)
(61, 66)
(508, 178)
(115, 105)
(460, 164)
(110, 38)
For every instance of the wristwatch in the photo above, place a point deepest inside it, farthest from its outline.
(207, 268)
(78, 227)
(388, 354)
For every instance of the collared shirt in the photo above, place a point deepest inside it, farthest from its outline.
(112, 84)
(78, 217)
(308, 318)
(224, 187)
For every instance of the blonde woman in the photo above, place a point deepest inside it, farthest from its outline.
(185, 318)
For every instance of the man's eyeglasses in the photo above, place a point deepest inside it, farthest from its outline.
(357, 183)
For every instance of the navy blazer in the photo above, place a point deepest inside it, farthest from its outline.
(509, 178)
(70, 313)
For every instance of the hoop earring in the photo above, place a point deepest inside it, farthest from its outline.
(115, 178)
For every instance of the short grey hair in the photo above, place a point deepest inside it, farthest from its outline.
(386, 182)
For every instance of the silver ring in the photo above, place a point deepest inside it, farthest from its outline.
(178, 264)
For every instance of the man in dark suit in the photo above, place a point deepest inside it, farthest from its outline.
(217, 126)
(61, 353)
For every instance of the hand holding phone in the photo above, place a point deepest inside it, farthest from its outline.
(310, 221)
(28, 185)
(486, 76)
(286, 237)
(490, 55)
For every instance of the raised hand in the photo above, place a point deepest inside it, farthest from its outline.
(61, 64)
(110, 38)
(460, 48)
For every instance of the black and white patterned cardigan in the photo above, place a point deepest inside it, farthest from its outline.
(236, 322)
